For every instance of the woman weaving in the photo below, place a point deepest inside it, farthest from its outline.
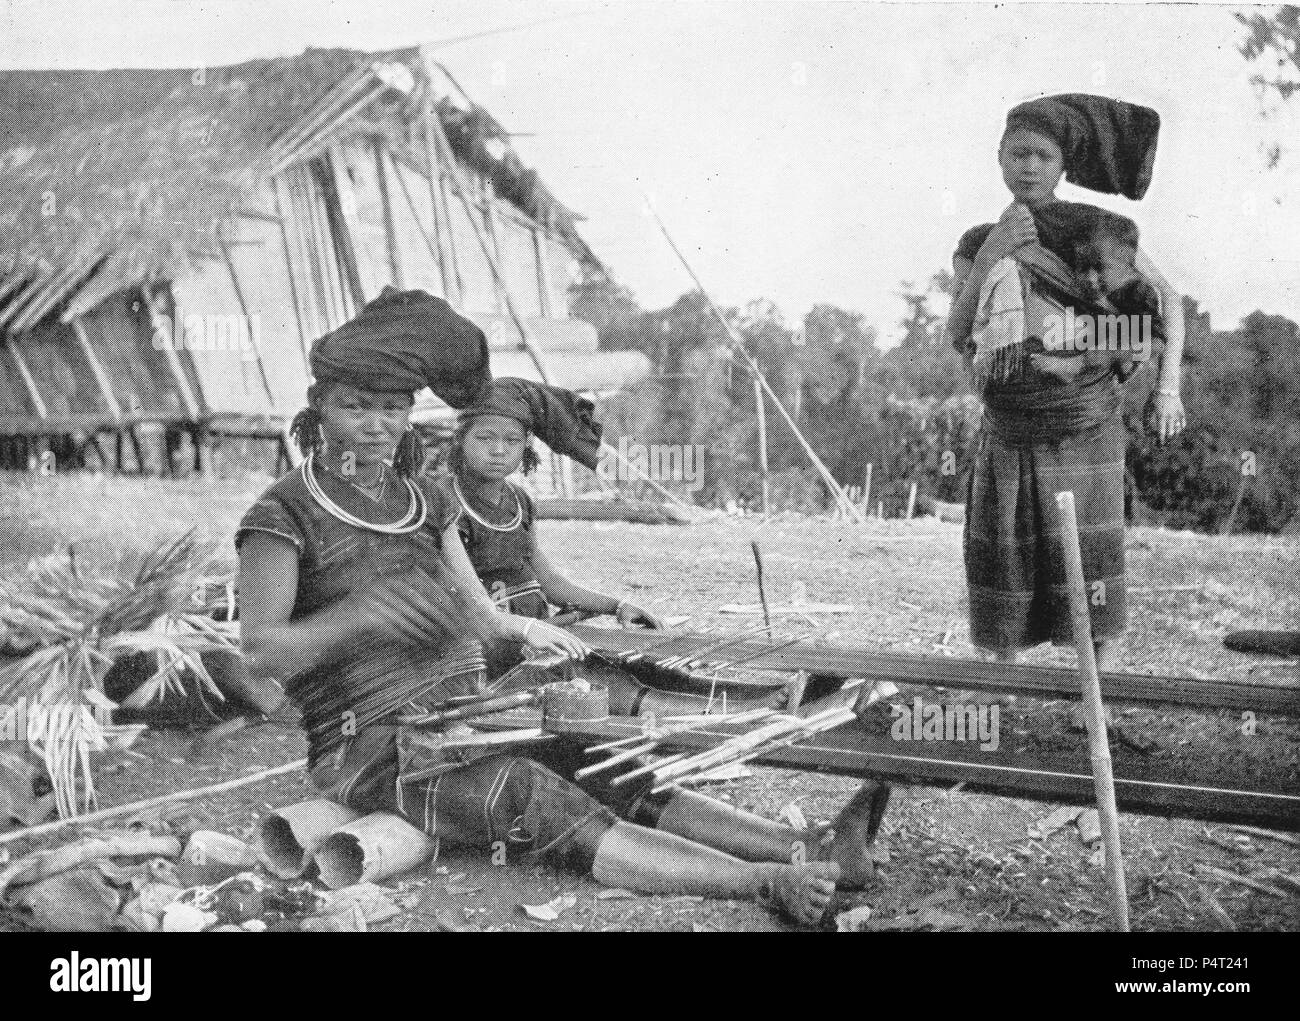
(355, 588)
(1047, 431)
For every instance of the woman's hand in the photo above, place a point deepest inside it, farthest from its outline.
(629, 614)
(1014, 230)
(543, 637)
(1165, 415)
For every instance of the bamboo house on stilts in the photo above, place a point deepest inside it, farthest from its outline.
(173, 241)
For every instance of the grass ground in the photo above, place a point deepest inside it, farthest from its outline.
(968, 855)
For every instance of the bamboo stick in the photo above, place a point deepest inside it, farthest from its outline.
(760, 404)
(911, 501)
(866, 492)
(649, 767)
(714, 756)
(756, 742)
(148, 803)
(662, 734)
(831, 719)
(762, 592)
(1098, 747)
(836, 491)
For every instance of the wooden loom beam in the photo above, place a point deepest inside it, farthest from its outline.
(970, 675)
(1060, 779)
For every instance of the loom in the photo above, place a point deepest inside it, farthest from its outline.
(1171, 783)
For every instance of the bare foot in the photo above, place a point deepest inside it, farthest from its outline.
(800, 892)
(848, 840)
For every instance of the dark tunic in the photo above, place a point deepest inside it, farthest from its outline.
(336, 559)
(501, 559)
(499, 798)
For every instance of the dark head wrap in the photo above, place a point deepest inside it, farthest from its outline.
(559, 418)
(1109, 146)
(402, 342)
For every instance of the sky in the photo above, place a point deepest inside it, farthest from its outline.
(801, 152)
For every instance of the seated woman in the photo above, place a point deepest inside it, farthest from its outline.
(356, 591)
(498, 528)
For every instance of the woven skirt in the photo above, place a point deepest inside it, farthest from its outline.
(1015, 574)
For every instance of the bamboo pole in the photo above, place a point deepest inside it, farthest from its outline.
(96, 369)
(303, 341)
(911, 501)
(866, 492)
(762, 592)
(244, 311)
(760, 404)
(170, 345)
(1226, 528)
(29, 381)
(148, 803)
(386, 201)
(1098, 746)
(448, 159)
(350, 225)
(836, 491)
(434, 251)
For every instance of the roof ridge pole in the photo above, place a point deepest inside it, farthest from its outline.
(850, 509)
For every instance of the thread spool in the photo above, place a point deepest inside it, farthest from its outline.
(572, 701)
(371, 849)
(288, 838)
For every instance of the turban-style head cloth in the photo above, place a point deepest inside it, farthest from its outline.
(559, 418)
(1109, 146)
(402, 342)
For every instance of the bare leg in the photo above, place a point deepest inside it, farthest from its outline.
(752, 838)
(651, 861)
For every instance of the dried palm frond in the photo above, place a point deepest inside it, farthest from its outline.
(82, 624)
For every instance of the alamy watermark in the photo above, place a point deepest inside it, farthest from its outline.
(1085, 332)
(966, 721)
(25, 718)
(657, 462)
(236, 334)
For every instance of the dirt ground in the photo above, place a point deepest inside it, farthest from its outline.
(946, 859)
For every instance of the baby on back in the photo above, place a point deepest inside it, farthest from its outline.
(1104, 264)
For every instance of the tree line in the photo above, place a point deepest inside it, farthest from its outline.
(908, 411)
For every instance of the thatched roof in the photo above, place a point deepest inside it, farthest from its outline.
(125, 172)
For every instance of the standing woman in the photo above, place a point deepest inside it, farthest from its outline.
(355, 589)
(1040, 434)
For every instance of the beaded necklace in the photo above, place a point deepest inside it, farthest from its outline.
(519, 509)
(413, 520)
